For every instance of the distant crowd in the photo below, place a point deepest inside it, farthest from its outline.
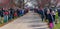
(11, 13)
(49, 14)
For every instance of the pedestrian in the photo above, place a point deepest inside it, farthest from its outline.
(18, 13)
(26, 10)
(53, 14)
(45, 13)
(50, 19)
(2, 12)
(42, 14)
(15, 14)
(0, 16)
(11, 15)
(6, 16)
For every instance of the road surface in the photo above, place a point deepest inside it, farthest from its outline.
(29, 21)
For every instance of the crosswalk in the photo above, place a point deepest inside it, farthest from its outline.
(29, 21)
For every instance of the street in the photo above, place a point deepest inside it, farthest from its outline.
(29, 21)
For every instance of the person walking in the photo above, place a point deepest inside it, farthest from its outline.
(50, 19)
(42, 14)
(45, 13)
(53, 14)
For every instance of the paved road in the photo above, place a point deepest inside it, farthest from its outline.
(29, 21)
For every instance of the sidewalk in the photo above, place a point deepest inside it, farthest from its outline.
(29, 21)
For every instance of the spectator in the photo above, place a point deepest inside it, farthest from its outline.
(18, 12)
(11, 13)
(6, 16)
(0, 16)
